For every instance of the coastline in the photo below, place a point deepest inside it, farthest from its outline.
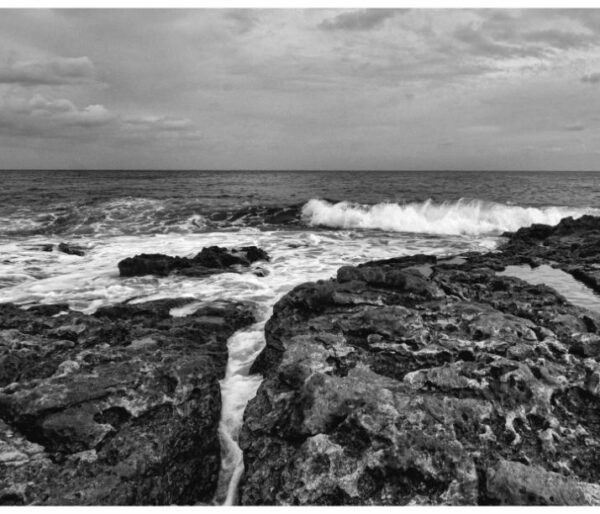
(412, 380)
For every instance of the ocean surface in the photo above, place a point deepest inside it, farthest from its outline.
(311, 223)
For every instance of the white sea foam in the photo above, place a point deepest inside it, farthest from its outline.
(471, 217)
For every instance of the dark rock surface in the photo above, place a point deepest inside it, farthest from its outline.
(209, 261)
(70, 249)
(425, 381)
(119, 407)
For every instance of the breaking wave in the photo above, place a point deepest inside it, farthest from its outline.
(472, 217)
(141, 216)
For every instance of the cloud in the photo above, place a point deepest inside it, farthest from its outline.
(364, 19)
(64, 70)
(560, 39)
(575, 127)
(298, 88)
(481, 44)
(65, 112)
(42, 117)
(591, 78)
(245, 19)
(164, 127)
(523, 34)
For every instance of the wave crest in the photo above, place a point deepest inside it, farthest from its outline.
(471, 217)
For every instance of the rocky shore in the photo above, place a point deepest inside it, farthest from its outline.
(415, 380)
(116, 408)
(432, 381)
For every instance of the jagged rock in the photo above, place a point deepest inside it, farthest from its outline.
(70, 249)
(117, 408)
(209, 261)
(389, 385)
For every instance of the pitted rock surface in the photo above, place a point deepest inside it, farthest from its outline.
(419, 380)
(117, 408)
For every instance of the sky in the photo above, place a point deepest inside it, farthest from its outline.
(363, 89)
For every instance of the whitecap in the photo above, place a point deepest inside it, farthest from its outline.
(472, 217)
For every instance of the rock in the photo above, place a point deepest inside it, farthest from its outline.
(388, 386)
(513, 483)
(49, 309)
(70, 249)
(41, 247)
(404, 262)
(219, 257)
(209, 261)
(117, 408)
(151, 264)
(573, 245)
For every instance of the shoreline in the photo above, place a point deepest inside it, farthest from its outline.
(340, 355)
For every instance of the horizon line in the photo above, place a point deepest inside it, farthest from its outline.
(306, 170)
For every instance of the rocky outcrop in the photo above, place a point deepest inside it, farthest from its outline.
(425, 381)
(209, 261)
(117, 408)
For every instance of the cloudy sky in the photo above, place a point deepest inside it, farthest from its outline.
(300, 89)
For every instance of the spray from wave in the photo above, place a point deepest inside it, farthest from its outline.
(471, 217)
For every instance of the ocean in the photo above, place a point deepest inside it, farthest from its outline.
(311, 223)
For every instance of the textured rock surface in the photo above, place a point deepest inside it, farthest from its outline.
(70, 249)
(424, 381)
(209, 261)
(121, 407)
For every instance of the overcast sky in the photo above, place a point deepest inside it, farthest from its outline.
(300, 89)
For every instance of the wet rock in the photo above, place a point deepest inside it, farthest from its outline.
(151, 264)
(573, 245)
(209, 261)
(117, 408)
(70, 249)
(388, 386)
(219, 257)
